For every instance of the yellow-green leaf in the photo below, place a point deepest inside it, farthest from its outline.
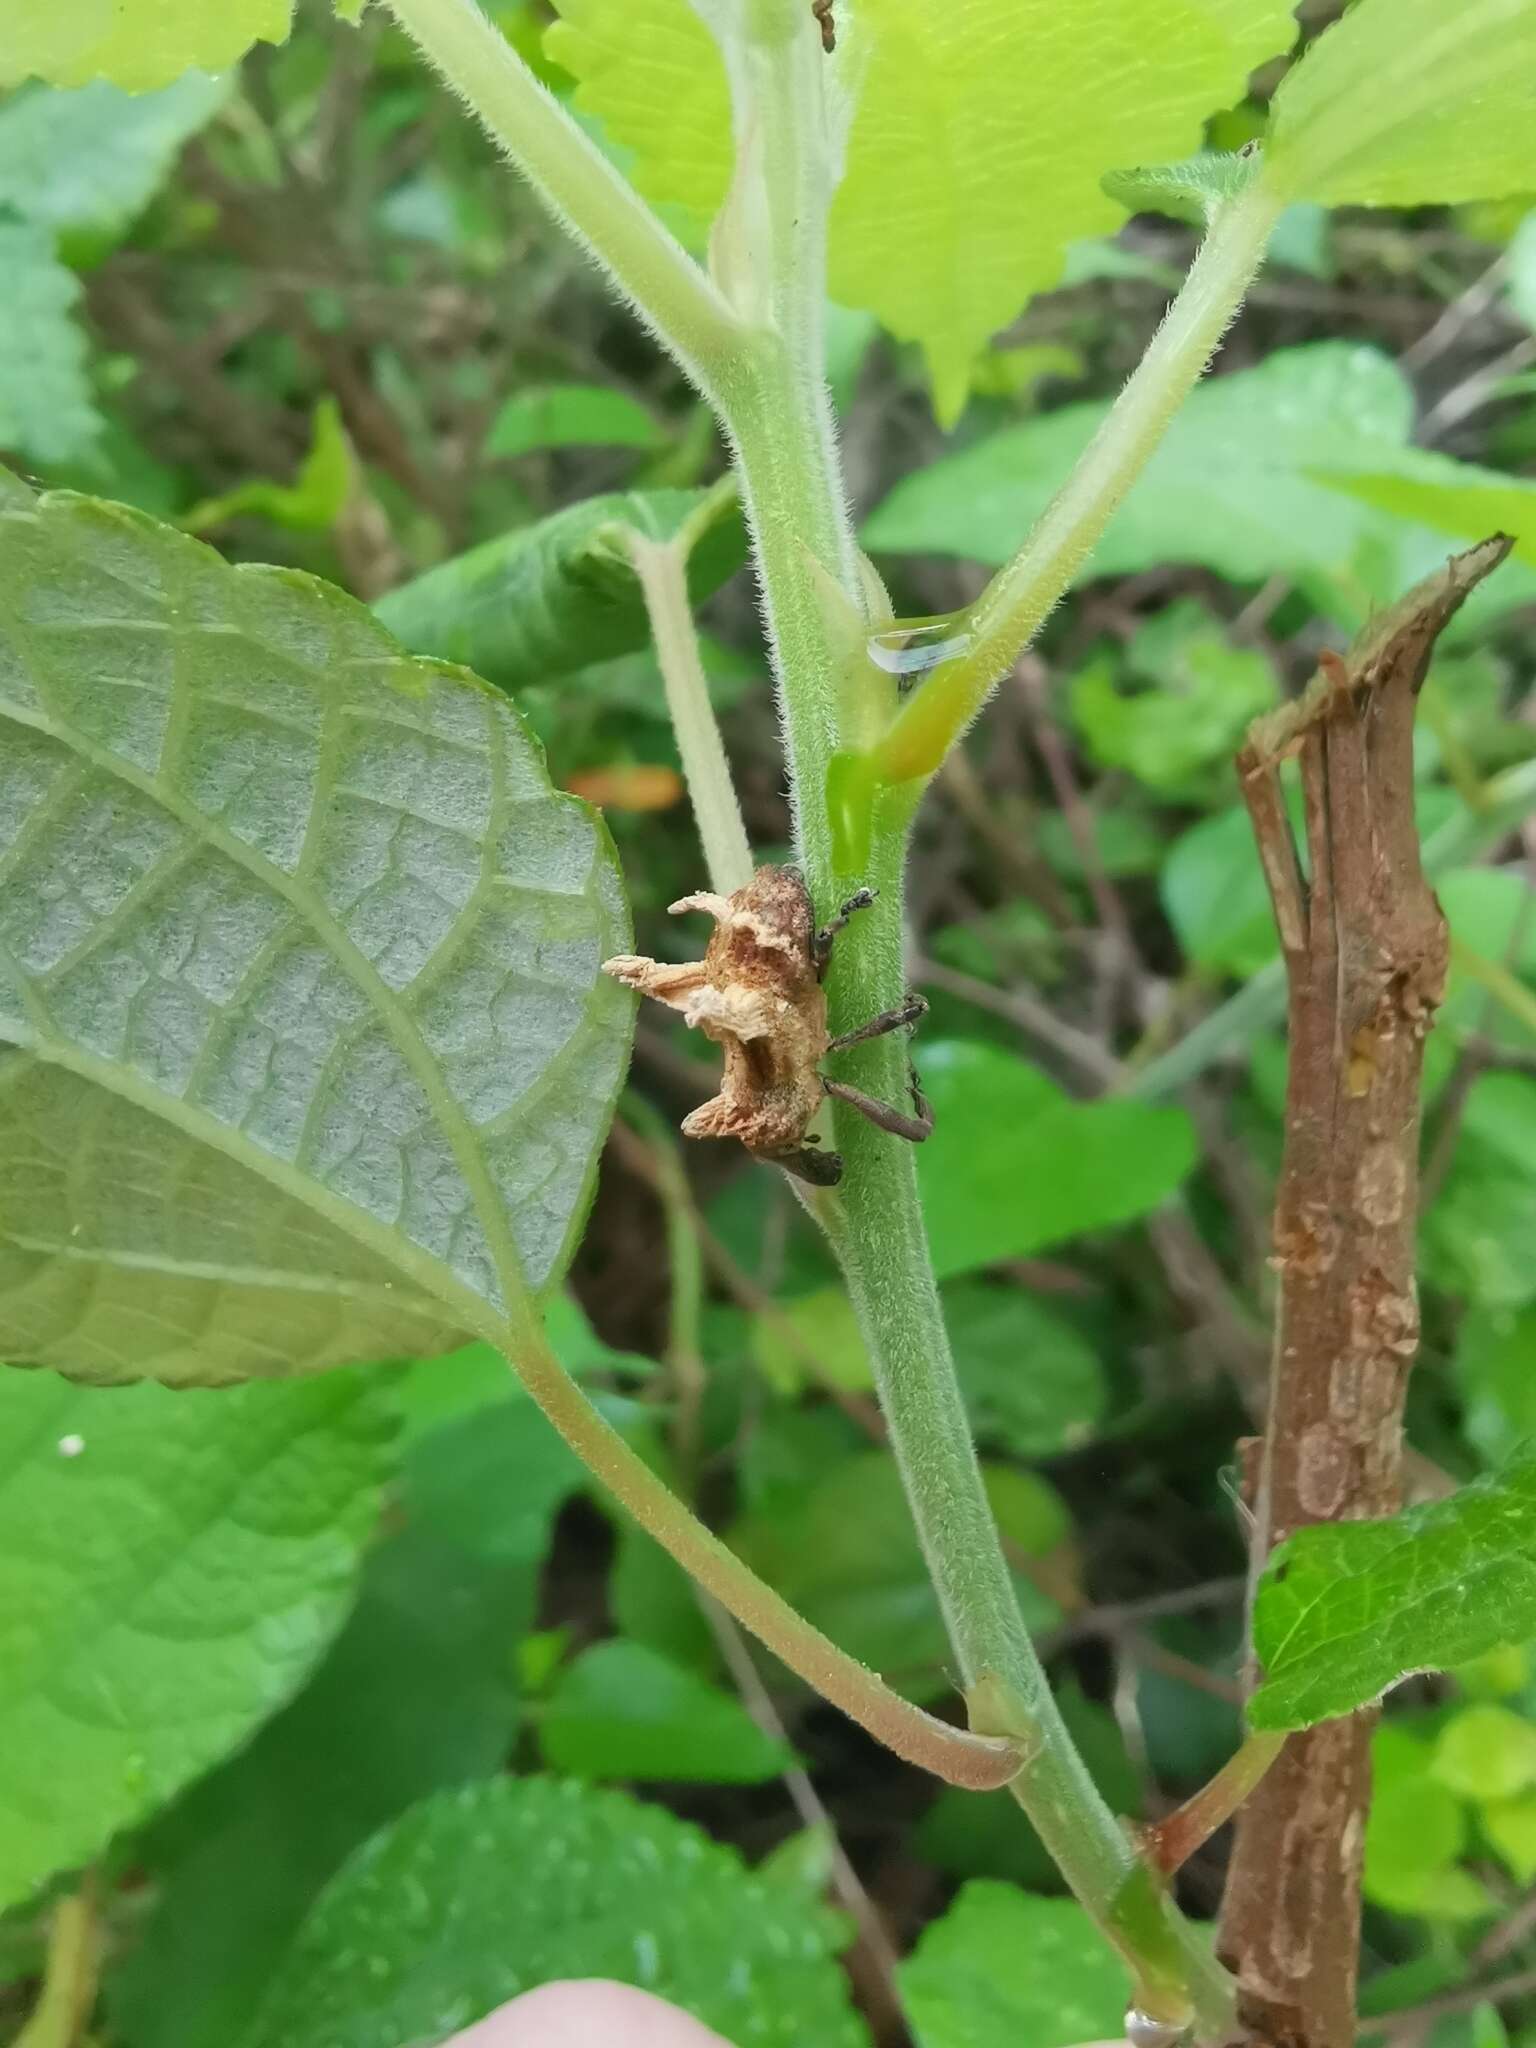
(139, 44)
(982, 131)
(1404, 102)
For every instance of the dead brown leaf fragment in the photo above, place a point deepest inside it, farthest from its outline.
(1365, 950)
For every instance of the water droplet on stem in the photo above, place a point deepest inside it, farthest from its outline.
(911, 649)
(1142, 2030)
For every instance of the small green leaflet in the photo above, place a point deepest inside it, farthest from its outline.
(300, 919)
(480, 1894)
(1408, 102)
(624, 1711)
(137, 44)
(981, 133)
(314, 500)
(170, 1567)
(1005, 1966)
(1345, 1610)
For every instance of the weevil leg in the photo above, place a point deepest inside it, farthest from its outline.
(821, 1169)
(888, 1020)
(915, 1127)
(821, 945)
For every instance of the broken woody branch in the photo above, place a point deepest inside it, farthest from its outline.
(1365, 951)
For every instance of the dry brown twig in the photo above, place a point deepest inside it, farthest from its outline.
(1366, 951)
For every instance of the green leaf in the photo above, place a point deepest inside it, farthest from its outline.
(304, 918)
(1033, 1384)
(1410, 102)
(138, 44)
(1486, 1752)
(1415, 1833)
(1510, 1825)
(416, 1693)
(1521, 257)
(840, 1547)
(979, 138)
(1014, 1164)
(813, 1339)
(480, 1894)
(1231, 487)
(1213, 891)
(1488, 910)
(1436, 490)
(1005, 1966)
(1478, 1235)
(170, 1567)
(1176, 703)
(492, 1483)
(651, 72)
(558, 596)
(47, 411)
(622, 1710)
(87, 163)
(1496, 1369)
(1213, 887)
(1193, 190)
(314, 500)
(571, 416)
(653, 1601)
(1346, 1610)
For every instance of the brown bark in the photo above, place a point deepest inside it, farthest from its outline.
(1365, 951)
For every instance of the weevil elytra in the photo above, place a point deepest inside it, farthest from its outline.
(758, 994)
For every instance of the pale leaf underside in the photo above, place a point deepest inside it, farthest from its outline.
(298, 902)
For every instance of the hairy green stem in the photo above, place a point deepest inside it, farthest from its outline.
(591, 200)
(778, 409)
(808, 565)
(876, 1228)
(971, 1760)
(751, 338)
(1011, 609)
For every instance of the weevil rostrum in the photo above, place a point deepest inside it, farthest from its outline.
(758, 994)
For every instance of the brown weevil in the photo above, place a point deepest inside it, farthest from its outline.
(758, 994)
